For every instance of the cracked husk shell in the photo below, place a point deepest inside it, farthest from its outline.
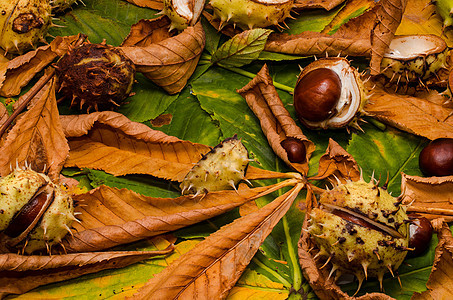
(248, 14)
(23, 23)
(359, 229)
(19, 190)
(182, 13)
(353, 95)
(414, 58)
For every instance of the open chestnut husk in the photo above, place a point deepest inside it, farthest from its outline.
(329, 93)
(436, 159)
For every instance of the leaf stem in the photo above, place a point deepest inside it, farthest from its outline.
(27, 100)
(270, 270)
(252, 75)
(297, 280)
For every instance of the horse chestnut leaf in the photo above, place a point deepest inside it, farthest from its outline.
(436, 159)
(316, 94)
(295, 149)
(420, 233)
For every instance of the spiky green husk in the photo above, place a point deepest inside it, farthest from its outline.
(23, 23)
(220, 169)
(355, 249)
(17, 189)
(248, 14)
(414, 66)
(59, 6)
(353, 95)
(182, 13)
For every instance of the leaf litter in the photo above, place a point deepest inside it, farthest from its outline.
(89, 138)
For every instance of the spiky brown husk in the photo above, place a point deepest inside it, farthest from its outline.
(23, 23)
(95, 76)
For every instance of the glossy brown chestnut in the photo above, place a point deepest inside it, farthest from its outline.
(436, 159)
(420, 233)
(316, 94)
(26, 216)
(295, 149)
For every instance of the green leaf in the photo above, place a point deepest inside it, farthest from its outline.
(386, 153)
(242, 48)
(147, 102)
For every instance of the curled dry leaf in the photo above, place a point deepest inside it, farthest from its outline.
(388, 17)
(212, 268)
(169, 62)
(18, 72)
(440, 285)
(318, 277)
(411, 114)
(20, 273)
(37, 138)
(337, 164)
(111, 142)
(431, 197)
(111, 217)
(275, 120)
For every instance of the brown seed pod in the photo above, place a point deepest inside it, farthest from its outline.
(95, 76)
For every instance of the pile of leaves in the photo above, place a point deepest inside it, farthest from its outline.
(195, 88)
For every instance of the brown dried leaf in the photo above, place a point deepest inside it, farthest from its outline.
(325, 4)
(18, 72)
(110, 217)
(431, 197)
(169, 63)
(318, 277)
(440, 285)
(111, 142)
(367, 35)
(21, 273)
(153, 4)
(414, 115)
(37, 138)
(337, 163)
(147, 32)
(388, 17)
(276, 122)
(212, 268)
(350, 8)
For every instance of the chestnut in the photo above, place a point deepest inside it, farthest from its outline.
(420, 233)
(295, 149)
(26, 216)
(436, 159)
(316, 94)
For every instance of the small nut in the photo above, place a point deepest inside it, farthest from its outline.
(295, 149)
(436, 159)
(420, 233)
(316, 94)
